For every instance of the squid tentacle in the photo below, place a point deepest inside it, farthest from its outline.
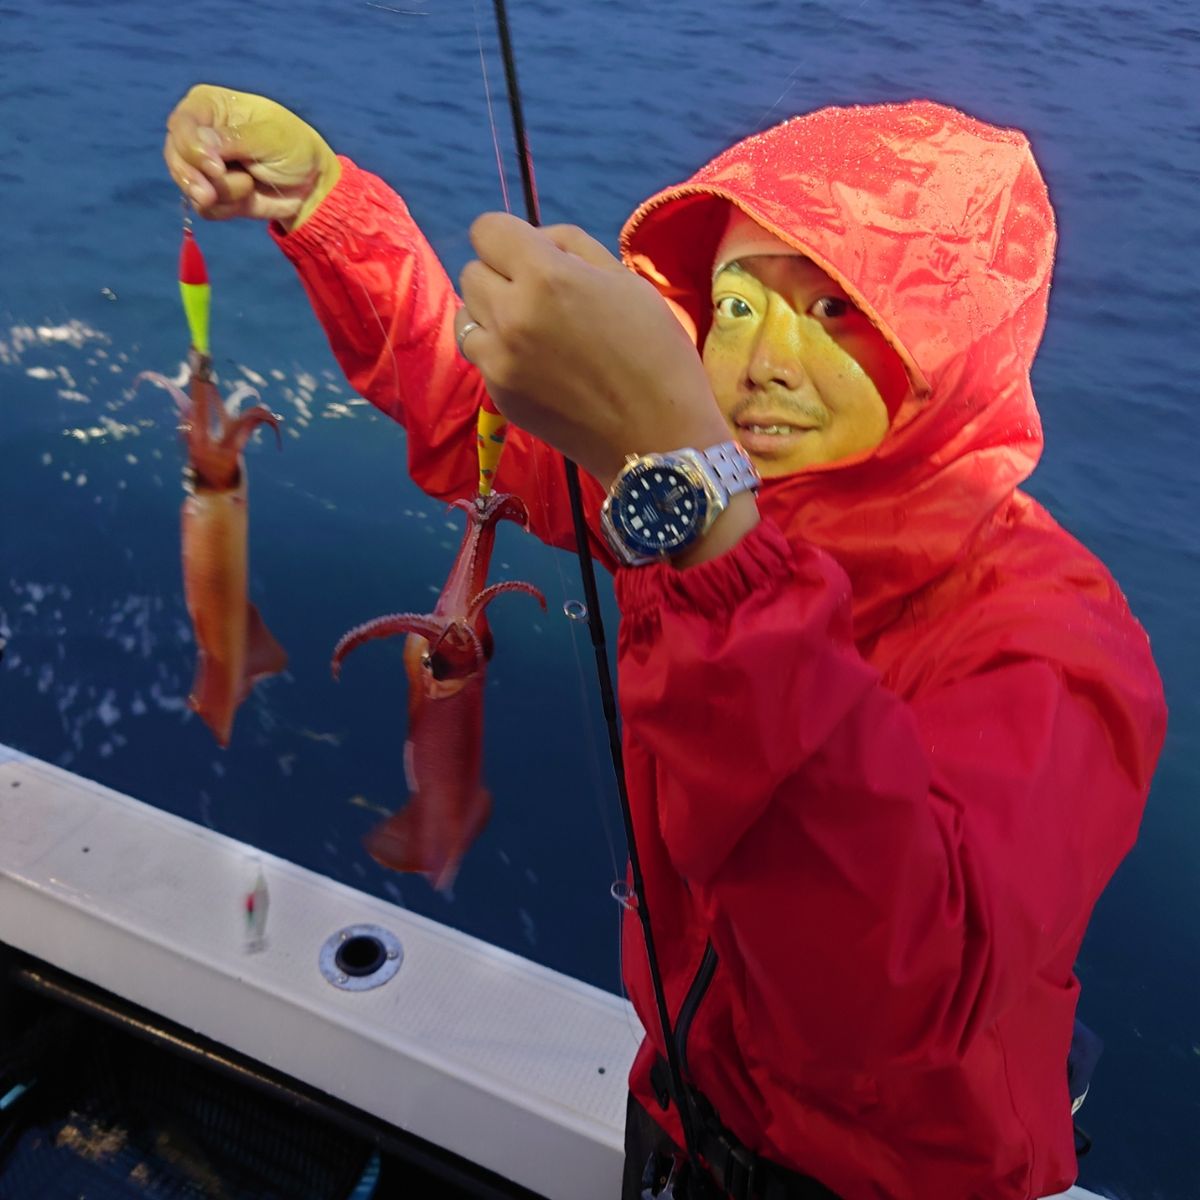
(238, 432)
(490, 593)
(241, 391)
(497, 506)
(386, 626)
(182, 402)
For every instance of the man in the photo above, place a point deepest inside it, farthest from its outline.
(888, 728)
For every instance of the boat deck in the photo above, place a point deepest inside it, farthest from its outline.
(493, 1058)
(501, 1061)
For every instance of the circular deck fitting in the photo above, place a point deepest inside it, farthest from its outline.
(360, 957)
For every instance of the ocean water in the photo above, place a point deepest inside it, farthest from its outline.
(621, 98)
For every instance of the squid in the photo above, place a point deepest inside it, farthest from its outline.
(234, 648)
(445, 658)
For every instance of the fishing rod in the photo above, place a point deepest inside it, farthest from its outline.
(595, 623)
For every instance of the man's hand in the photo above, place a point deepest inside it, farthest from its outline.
(235, 154)
(578, 350)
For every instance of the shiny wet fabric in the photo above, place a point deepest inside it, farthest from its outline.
(884, 755)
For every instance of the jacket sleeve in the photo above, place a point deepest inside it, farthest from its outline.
(387, 307)
(846, 845)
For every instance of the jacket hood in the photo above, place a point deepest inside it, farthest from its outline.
(940, 228)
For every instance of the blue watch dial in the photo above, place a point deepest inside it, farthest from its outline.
(658, 509)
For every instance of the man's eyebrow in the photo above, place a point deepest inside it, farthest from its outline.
(735, 265)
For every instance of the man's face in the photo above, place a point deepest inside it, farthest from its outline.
(799, 373)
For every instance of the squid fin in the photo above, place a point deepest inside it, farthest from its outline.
(399, 842)
(211, 697)
(264, 655)
(403, 841)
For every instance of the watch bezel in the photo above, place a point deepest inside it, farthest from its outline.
(682, 462)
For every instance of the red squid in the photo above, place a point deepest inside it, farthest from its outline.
(445, 656)
(234, 647)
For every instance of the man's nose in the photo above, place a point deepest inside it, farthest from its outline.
(776, 358)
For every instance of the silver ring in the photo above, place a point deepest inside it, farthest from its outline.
(461, 336)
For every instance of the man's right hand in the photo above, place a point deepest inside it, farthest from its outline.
(235, 154)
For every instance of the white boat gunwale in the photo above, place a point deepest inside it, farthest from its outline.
(497, 1060)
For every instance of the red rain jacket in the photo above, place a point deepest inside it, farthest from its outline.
(884, 754)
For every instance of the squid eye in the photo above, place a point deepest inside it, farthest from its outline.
(732, 307)
(437, 665)
(831, 307)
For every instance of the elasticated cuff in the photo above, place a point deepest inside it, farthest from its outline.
(762, 559)
(339, 208)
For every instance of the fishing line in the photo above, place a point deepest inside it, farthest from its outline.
(598, 796)
(790, 82)
(595, 622)
(487, 91)
(575, 610)
(387, 341)
(586, 703)
(623, 895)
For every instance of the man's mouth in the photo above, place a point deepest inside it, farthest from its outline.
(768, 435)
(774, 430)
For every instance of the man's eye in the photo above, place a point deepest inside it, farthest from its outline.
(831, 307)
(732, 306)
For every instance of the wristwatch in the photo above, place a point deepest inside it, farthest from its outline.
(660, 504)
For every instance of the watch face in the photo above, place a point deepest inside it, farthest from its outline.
(658, 509)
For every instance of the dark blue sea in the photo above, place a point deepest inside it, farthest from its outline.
(622, 97)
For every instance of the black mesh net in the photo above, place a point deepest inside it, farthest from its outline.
(105, 1116)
